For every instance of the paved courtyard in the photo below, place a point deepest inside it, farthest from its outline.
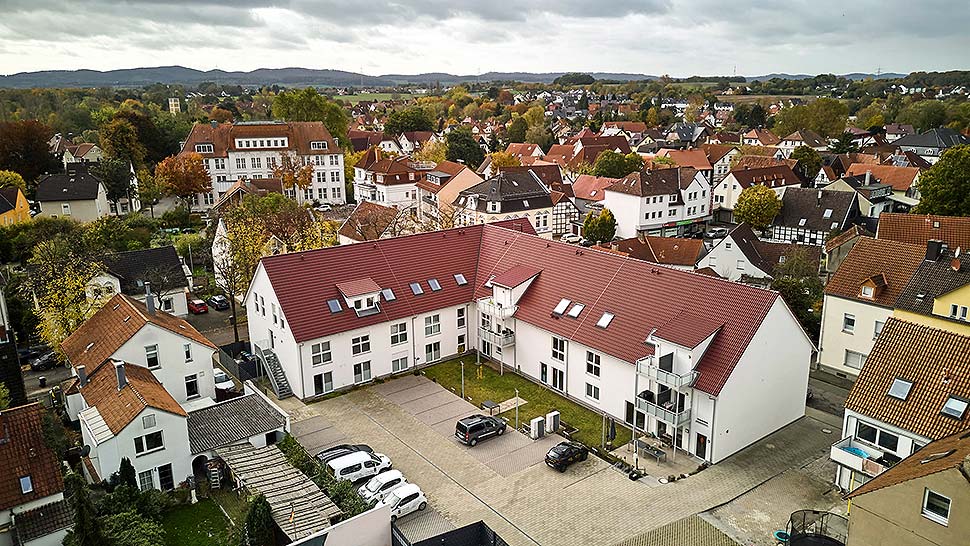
(503, 482)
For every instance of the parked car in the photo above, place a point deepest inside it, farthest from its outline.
(198, 307)
(359, 465)
(475, 428)
(587, 243)
(378, 487)
(404, 500)
(28, 353)
(223, 381)
(717, 233)
(323, 208)
(46, 361)
(246, 357)
(335, 452)
(564, 454)
(219, 302)
(571, 238)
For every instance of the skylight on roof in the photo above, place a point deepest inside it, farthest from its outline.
(561, 307)
(900, 388)
(388, 294)
(576, 310)
(827, 213)
(460, 279)
(605, 320)
(416, 288)
(334, 306)
(801, 223)
(955, 407)
(434, 284)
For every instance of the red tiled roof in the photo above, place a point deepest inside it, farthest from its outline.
(223, 136)
(900, 178)
(520, 149)
(662, 250)
(688, 329)
(917, 229)
(516, 276)
(591, 187)
(23, 452)
(715, 152)
(119, 407)
(358, 287)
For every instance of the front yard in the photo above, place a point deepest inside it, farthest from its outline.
(541, 400)
(199, 524)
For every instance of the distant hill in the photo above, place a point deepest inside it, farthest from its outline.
(852, 76)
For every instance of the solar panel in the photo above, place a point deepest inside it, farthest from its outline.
(334, 306)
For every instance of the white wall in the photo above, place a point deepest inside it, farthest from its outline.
(628, 211)
(767, 389)
(6, 516)
(905, 447)
(834, 342)
(723, 259)
(171, 354)
(372, 528)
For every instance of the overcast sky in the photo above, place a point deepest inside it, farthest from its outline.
(675, 37)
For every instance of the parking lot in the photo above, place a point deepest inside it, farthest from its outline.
(503, 481)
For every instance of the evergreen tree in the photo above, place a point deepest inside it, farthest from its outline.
(126, 474)
(259, 524)
(87, 528)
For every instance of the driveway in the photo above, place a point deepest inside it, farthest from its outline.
(216, 327)
(503, 482)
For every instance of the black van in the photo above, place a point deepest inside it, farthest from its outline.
(479, 427)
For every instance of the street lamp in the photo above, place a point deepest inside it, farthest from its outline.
(462, 379)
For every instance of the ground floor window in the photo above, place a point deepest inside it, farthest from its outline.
(592, 391)
(632, 412)
(399, 364)
(362, 372)
(322, 383)
(432, 352)
(145, 480)
(165, 478)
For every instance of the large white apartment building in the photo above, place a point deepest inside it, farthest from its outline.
(710, 365)
(251, 150)
(662, 202)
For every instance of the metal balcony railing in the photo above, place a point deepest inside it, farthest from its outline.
(503, 339)
(675, 418)
(495, 309)
(858, 456)
(647, 368)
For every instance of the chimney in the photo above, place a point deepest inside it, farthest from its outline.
(818, 199)
(82, 376)
(120, 372)
(955, 262)
(934, 248)
(149, 298)
(214, 123)
(868, 177)
(614, 247)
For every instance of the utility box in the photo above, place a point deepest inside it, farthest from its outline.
(537, 428)
(552, 422)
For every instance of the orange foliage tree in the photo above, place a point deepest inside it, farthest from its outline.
(183, 176)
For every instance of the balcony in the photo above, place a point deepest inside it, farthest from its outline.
(665, 414)
(647, 368)
(491, 307)
(861, 457)
(503, 339)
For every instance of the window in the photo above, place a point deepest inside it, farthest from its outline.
(559, 349)
(592, 363)
(262, 305)
(605, 320)
(323, 383)
(187, 349)
(432, 325)
(320, 353)
(204, 148)
(900, 388)
(273, 307)
(432, 351)
(936, 507)
(168, 304)
(876, 436)
(854, 359)
(362, 372)
(727, 245)
(240, 163)
(148, 443)
(827, 214)
(740, 266)
(592, 391)
(955, 407)
(460, 279)
(877, 328)
(151, 357)
(66, 209)
(461, 317)
(145, 480)
(399, 364)
(576, 309)
(712, 262)
(416, 288)
(399, 333)
(26, 485)
(388, 294)
(334, 306)
(318, 145)
(360, 345)
(461, 343)
(848, 323)
(434, 284)
(191, 386)
(561, 307)
(257, 162)
(148, 421)
(867, 292)
(953, 310)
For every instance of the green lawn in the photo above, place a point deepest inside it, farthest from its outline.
(233, 503)
(541, 400)
(201, 524)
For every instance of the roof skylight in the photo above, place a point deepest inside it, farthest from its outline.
(801, 222)
(605, 320)
(561, 307)
(900, 388)
(416, 288)
(827, 213)
(955, 407)
(388, 294)
(576, 310)
(334, 306)
(434, 284)
(460, 279)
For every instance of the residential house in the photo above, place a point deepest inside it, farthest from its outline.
(14, 207)
(921, 501)
(506, 196)
(938, 294)
(524, 151)
(591, 188)
(662, 202)
(253, 149)
(259, 187)
(371, 221)
(860, 298)
(838, 247)
(918, 229)
(743, 256)
(931, 144)
(760, 137)
(874, 198)
(712, 377)
(720, 156)
(914, 389)
(134, 273)
(896, 131)
(687, 135)
(10, 372)
(726, 194)
(565, 214)
(904, 181)
(809, 215)
(412, 141)
(33, 510)
(695, 159)
(365, 140)
(674, 252)
(804, 137)
(81, 153)
(389, 181)
(439, 188)
(76, 194)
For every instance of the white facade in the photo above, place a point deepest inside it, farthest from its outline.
(853, 470)
(174, 302)
(727, 260)
(81, 210)
(662, 215)
(849, 330)
(180, 360)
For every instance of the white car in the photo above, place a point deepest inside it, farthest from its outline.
(323, 208)
(358, 465)
(571, 238)
(223, 381)
(404, 500)
(380, 485)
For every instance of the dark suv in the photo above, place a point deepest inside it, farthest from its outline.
(478, 427)
(565, 454)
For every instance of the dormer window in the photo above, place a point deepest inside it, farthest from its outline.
(493, 206)
(204, 148)
(318, 145)
(867, 292)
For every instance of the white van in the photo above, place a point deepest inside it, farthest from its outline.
(358, 465)
(404, 500)
(380, 485)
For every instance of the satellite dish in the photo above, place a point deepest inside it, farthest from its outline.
(85, 450)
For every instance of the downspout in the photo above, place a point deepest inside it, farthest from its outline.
(414, 335)
(299, 354)
(710, 441)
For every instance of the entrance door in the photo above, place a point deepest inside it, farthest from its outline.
(701, 448)
(558, 379)
(486, 348)
(165, 479)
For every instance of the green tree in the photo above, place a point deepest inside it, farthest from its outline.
(4, 397)
(517, 129)
(149, 191)
(87, 528)
(535, 116)
(120, 140)
(409, 119)
(574, 78)
(825, 116)
(24, 149)
(798, 282)
(844, 145)
(463, 147)
(126, 474)
(599, 228)
(258, 525)
(309, 105)
(539, 135)
(945, 187)
(757, 205)
(616, 165)
(10, 178)
(132, 529)
(116, 176)
(923, 115)
(809, 162)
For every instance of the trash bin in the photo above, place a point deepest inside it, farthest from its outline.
(42, 381)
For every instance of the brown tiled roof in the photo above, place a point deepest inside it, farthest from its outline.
(949, 452)
(900, 178)
(23, 452)
(897, 261)
(773, 177)
(590, 187)
(695, 159)
(118, 407)
(223, 136)
(845, 236)
(631, 126)
(656, 182)
(561, 154)
(807, 138)
(933, 360)
(707, 271)
(764, 136)
(522, 149)
(662, 250)
(716, 152)
(450, 167)
(114, 324)
(750, 161)
(920, 228)
(368, 222)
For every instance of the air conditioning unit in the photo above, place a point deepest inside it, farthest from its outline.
(537, 428)
(552, 422)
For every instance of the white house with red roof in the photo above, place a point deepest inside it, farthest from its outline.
(711, 365)
(661, 202)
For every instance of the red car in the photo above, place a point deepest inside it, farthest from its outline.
(197, 307)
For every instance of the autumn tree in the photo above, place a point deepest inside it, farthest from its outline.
(504, 159)
(309, 105)
(10, 178)
(600, 227)
(535, 116)
(434, 151)
(410, 119)
(825, 116)
(183, 176)
(119, 139)
(463, 148)
(220, 115)
(517, 129)
(4, 397)
(24, 149)
(945, 187)
(117, 178)
(809, 162)
(757, 205)
(539, 135)
(292, 172)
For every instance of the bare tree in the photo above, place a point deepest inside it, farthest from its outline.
(230, 278)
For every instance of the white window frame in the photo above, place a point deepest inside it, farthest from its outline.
(593, 364)
(364, 375)
(862, 359)
(848, 323)
(360, 345)
(399, 333)
(320, 353)
(141, 439)
(150, 351)
(432, 325)
(399, 364)
(192, 379)
(460, 320)
(187, 348)
(146, 479)
(559, 352)
(432, 352)
(933, 516)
